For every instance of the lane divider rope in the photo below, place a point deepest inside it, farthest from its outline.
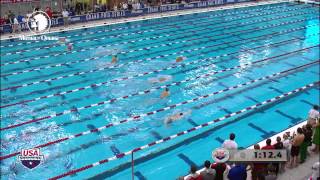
(138, 26)
(125, 78)
(98, 57)
(162, 109)
(250, 108)
(85, 49)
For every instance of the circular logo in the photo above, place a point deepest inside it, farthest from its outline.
(220, 155)
(39, 22)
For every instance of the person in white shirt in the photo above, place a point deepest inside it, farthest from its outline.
(313, 115)
(15, 25)
(65, 15)
(124, 6)
(230, 143)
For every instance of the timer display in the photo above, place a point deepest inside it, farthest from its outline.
(251, 155)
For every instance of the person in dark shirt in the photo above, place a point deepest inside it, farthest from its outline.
(208, 173)
(238, 172)
(278, 145)
(258, 169)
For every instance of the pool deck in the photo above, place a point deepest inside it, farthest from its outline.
(143, 17)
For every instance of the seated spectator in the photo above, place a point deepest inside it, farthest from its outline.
(313, 115)
(268, 145)
(221, 169)
(230, 143)
(193, 174)
(49, 12)
(2, 21)
(296, 142)
(257, 168)
(208, 173)
(238, 172)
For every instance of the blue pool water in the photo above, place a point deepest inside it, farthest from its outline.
(48, 93)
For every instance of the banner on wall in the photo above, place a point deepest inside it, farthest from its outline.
(118, 14)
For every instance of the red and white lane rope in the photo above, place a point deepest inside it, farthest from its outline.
(141, 32)
(160, 110)
(144, 74)
(121, 155)
(157, 57)
(150, 47)
(138, 26)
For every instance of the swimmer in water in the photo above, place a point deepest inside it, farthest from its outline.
(176, 117)
(173, 118)
(62, 40)
(179, 59)
(165, 93)
(160, 79)
(114, 59)
(69, 46)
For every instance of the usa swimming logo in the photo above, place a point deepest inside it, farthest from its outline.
(220, 155)
(30, 158)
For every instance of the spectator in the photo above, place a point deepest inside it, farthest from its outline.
(125, 6)
(296, 143)
(65, 15)
(130, 6)
(221, 169)
(287, 145)
(208, 173)
(238, 172)
(313, 115)
(316, 136)
(78, 8)
(230, 143)
(11, 17)
(257, 168)
(268, 145)
(15, 25)
(72, 12)
(103, 8)
(307, 132)
(6, 18)
(49, 12)
(193, 174)
(315, 171)
(96, 8)
(271, 174)
(278, 145)
(20, 18)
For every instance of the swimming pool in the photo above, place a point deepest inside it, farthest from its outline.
(80, 109)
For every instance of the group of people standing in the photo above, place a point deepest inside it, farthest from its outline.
(298, 145)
